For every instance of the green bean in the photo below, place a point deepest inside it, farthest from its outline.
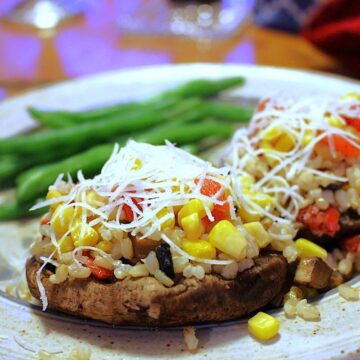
(92, 160)
(34, 182)
(61, 119)
(15, 211)
(204, 88)
(229, 112)
(187, 133)
(12, 165)
(194, 88)
(81, 135)
(168, 131)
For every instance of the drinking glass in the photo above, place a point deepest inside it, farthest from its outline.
(198, 19)
(43, 14)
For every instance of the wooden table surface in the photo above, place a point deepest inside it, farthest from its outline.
(92, 43)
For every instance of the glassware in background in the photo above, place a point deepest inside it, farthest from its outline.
(44, 14)
(287, 15)
(197, 19)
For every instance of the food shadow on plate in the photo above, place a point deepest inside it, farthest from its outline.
(159, 342)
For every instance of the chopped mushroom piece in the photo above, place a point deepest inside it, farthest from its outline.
(313, 272)
(335, 280)
(142, 247)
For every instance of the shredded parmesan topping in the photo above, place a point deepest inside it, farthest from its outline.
(307, 122)
(164, 178)
(144, 179)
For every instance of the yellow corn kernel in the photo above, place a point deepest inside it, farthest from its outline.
(66, 244)
(79, 211)
(61, 219)
(263, 326)
(105, 246)
(285, 143)
(335, 121)
(308, 249)
(97, 226)
(94, 199)
(169, 223)
(53, 194)
(246, 181)
(278, 139)
(257, 230)
(137, 165)
(309, 135)
(84, 237)
(177, 188)
(260, 198)
(266, 145)
(227, 238)
(193, 206)
(248, 216)
(351, 96)
(199, 248)
(192, 226)
(273, 133)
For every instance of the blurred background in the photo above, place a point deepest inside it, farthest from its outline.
(44, 41)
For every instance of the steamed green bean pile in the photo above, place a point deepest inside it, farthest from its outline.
(73, 141)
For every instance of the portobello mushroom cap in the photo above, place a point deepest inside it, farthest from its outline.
(146, 302)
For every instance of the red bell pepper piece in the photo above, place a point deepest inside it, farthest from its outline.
(320, 222)
(343, 146)
(44, 220)
(210, 188)
(354, 122)
(351, 244)
(262, 105)
(98, 271)
(218, 216)
(129, 214)
(220, 212)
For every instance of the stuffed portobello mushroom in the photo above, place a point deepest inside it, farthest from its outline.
(305, 155)
(155, 240)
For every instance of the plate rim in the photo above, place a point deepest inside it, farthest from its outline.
(126, 71)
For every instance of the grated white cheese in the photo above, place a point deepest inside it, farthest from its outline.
(298, 118)
(146, 179)
(43, 297)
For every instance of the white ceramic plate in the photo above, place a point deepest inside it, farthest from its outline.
(24, 331)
